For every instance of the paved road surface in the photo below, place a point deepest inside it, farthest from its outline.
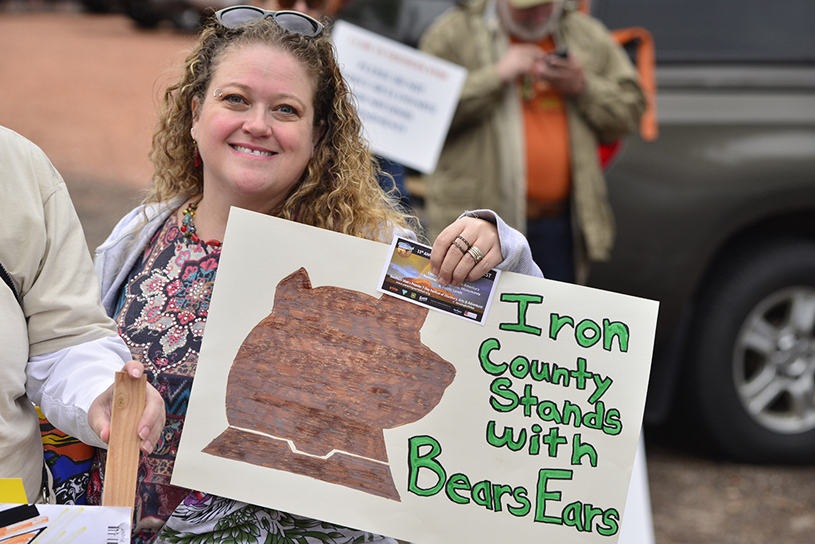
(83, 87)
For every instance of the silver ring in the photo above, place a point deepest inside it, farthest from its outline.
(476, 254)
(460, 237)
(463, 251)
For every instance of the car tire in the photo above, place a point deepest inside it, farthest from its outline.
(752, 355)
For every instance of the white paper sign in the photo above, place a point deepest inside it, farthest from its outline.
(64, 524)
(317, 395)
(406, 98)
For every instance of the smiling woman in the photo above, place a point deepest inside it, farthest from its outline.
(263, 120)
(255, 130)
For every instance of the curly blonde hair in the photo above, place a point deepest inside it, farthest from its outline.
(339, 190)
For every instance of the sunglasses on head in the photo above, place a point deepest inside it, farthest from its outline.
(293, 21)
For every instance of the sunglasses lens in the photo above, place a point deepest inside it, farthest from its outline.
(292, 21)
(238, 16)
(298, 23)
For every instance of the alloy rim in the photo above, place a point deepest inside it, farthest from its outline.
(774, 361)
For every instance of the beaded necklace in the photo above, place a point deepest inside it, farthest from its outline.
(188, 227)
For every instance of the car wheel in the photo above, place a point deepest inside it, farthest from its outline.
(752, 355)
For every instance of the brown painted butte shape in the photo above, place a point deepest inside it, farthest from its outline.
(328, 370)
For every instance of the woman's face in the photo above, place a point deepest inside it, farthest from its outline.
(254, 127)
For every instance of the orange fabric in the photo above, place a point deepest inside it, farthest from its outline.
(547, 139)
(646, 66)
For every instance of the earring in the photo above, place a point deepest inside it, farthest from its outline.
(196, 156)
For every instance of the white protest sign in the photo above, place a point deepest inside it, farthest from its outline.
(318, 395)
(406, 98)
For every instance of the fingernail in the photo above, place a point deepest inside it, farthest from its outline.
(136, 373)
(143, 434)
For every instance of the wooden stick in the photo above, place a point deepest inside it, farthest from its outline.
(122, 464)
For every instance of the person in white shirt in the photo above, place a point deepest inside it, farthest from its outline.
(58, 348)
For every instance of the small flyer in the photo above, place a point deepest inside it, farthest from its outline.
(407, 275)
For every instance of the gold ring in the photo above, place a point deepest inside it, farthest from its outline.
(460, 237)
(476, 254)
(463, 251)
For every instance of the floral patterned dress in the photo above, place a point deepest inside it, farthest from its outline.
(162, 312)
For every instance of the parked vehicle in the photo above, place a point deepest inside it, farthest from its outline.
(400, 20)
(716, 217)
(716, 220)
(101, 6)
(183, 14)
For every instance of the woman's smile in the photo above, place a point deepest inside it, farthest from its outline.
(251, 150)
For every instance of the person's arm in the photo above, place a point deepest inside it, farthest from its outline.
(483, 87)
(73, 347)
(611, 99)
(73, 387)
(502, 247)
(515, 251)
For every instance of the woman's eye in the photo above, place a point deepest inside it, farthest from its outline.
(234, 99)
(286, 109)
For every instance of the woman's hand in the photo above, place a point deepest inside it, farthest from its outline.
(152, 420)
(465, 251)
